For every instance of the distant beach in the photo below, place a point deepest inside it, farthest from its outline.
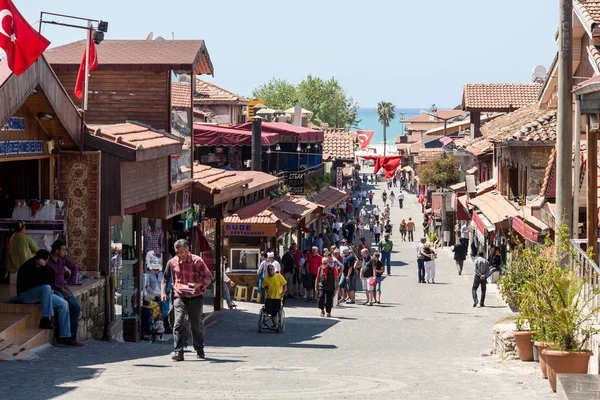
(369, 121)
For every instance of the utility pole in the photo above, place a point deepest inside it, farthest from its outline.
(564, 139)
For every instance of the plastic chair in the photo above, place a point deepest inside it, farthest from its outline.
(241, 293)
(256, 297)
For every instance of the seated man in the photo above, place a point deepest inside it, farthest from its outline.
(34, 284)
(65, 271)
(274, 286)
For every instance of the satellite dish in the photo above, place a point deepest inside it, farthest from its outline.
(150, 35)
(538, 74)
(160, 38)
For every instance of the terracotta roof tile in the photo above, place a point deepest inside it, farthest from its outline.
(123, 54)
(415, 147)
(291, 209)
(545, 190)
(329, 197)
(590, 10)
(181, 94)
(216, 179)
(209, 93)
(426, 155)
(265, 217)
(338, 145)
(480, 147)
(494, 206)
(485, 187)
(526, 124)
(499, 96)
(133, 135)
(429, 118)
(423, 126)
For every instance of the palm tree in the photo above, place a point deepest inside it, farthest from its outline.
(387, 112)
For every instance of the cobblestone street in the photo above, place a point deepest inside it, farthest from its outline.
(423, 342)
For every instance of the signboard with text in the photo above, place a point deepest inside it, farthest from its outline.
(295, 182)
(21, 147)
(339, 178)
(240, 229)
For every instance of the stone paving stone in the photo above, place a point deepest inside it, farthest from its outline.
(424, 342)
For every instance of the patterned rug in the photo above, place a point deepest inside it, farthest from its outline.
(79, 186)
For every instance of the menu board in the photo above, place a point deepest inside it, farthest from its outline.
(295, 182)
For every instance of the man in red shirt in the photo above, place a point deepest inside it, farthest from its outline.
(191, 277)
(314, 262)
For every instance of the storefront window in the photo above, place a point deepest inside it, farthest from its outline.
(244, 259)
(124, 264)
(182, 124)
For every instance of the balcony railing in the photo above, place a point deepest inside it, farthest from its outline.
(588, 269)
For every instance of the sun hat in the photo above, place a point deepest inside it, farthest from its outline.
(271, 255)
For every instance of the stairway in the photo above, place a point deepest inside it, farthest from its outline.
(19, 332)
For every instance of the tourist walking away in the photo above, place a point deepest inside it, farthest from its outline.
(65, 271)
(410, 229)
(460, 255)
(401, 199)
(313, 260)
(326, 286)
(347, 282)
(384, 196)
(35, 281)
(377, 231)
(371, 195)
(482, 267)
(19, 249)
(377, 213)
(395, 181)
(392, 198)
(367, 273)
(421, 260)
(429, 256)
(379, 270)
(262, 269)
(385, 248)
(464, 233)
(289, 265)
(190, 277)
(403, 230)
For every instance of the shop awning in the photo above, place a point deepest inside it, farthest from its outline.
(263, 224)
(495, 207)
(291, 210)
(486, 186)
(462, 209)
(329, 197)
(216, 186)
(260, 180)
(458, 187)
(306, 135)
(484, 226)
(213, 135)
(528, 230)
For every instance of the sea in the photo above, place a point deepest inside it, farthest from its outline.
(369, 122)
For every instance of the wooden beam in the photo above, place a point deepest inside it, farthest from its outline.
(592, 193)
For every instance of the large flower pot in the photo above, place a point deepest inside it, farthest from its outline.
(564, 362)
(524, 347)
(541, 346)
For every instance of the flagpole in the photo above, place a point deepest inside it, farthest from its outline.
(87, 67)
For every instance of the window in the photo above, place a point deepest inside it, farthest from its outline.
(244, 259)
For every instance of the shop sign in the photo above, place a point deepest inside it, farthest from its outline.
(295, 182)
(21, 147)
(14, 124)
(339, 178)
(238, 229)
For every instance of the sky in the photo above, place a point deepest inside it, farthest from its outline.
(411, 52)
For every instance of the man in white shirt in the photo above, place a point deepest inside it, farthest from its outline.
(377, 213)
(377, 231)
(271, 260)
(421, 261)
(464, 233)
(344, 246)
(401, 199)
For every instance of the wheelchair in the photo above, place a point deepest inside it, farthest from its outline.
(272, 316)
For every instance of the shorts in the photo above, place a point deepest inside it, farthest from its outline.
(366, 285)
(310, 282)
(349, 283)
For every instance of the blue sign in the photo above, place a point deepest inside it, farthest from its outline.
(14, 124)
(21, 147)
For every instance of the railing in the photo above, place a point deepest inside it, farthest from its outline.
(588, 269)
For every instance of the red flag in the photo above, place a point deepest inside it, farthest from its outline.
(389, 164)
(364, 138)
(92, 66)
(21, 43)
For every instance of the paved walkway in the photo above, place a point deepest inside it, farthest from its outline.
(422, 342)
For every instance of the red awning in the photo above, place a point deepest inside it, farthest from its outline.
(306, 135)
(213, 135)
(462, 209)
(482, 223)
(527, 231)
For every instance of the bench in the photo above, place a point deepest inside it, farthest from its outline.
(578, 386)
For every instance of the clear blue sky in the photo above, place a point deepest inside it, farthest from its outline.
(413, 53)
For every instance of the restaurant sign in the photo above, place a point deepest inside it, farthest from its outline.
(21, 147)
(295, 182)
(240, 229)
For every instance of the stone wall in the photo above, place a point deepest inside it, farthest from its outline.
(504, 342)
(91, 298)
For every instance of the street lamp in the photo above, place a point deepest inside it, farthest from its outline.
(443, 119)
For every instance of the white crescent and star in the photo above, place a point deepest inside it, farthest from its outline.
(3, 14)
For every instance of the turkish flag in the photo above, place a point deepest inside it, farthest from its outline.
(364, 138)
(389, 164)
(92, 66)
(21, 43)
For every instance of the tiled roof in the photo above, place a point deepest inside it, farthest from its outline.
(526, 124)
(260, 180)
(458, 186)
(415, 147)
(216, 179)
(485, 187)
(429, 118)
(499, 96)
(423, 126)
(413, 137)
(338, 145)
(209, 93)
(133, 135)
(158, 55)
(494, 206)
(181, 95)
(291, 209)
(403, 147)
(426, 155)
(329, 197)
(204, 112)
(480, 147)
(590, 10)
(264, 217)
(544, 191)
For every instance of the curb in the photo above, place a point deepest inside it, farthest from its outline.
(209, 318)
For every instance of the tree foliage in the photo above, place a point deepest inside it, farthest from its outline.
(440, 172)
(386, 112)
(325, 98)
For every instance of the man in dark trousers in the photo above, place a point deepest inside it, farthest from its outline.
(495, 261)
(190, 279)
(326, 284)
(288, 268)
(481, 271)
(460, 255)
